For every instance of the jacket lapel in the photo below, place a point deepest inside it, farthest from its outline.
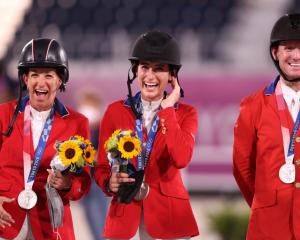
(270, 96)
(272, 103)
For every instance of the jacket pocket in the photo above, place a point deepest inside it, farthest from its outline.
(264, 199)
(171, 189)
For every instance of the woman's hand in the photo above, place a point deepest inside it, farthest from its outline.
(58, 180)
(5, 217)
(174, 96)
(116, 179)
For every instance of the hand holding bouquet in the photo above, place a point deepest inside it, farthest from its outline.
(121, 148)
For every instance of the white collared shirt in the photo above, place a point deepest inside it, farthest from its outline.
(149, 111)
(38, 120)
(292, 99)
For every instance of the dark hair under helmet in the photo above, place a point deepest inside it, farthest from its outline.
(285, 29)
(158, 47)
(44, 53)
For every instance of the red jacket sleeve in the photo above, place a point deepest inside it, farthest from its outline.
(244, 148)
(181, 127)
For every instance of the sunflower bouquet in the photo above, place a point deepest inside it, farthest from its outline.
(121, 146)
(73, 154)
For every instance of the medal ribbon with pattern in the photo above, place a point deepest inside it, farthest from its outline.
(31, 171)
(287, 171)
(143, 157)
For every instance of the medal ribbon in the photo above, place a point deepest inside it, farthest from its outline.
(288, 142)
(143, 157)
(29, 175)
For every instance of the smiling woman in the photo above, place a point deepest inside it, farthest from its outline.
(39, 121)
(42, 85)
(149, 198)
(153, 79)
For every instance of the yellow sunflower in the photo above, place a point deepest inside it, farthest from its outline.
(112, 141)
(129, 146)
(116, 133)
(69, 152)
(89, 155)
(87, 142)
(80, 138)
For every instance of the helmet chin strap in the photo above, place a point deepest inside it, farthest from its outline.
(129, 82)
(292, 80)
(289, 80)
(9, 129)
(283, 75)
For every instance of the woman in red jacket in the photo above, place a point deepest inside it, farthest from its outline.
(166, 128)
(30, 129)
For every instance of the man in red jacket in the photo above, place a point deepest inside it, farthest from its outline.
(29, 130)
(267, 142)
(166, 128)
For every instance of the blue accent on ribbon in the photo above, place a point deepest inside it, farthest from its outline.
(41, 146)
(143, 157)
(291, 149)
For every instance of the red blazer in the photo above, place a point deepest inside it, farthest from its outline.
(167, 210)
(257, 156)
(66, 123)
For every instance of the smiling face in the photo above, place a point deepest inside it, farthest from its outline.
(288, 55)
(42, 85)
(152, 78)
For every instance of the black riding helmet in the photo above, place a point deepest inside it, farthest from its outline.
(285, 29)
(44, 53)
(40, 53)
(154, 46)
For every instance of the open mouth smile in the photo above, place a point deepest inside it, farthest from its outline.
(294, 64)
(40, 92)
(151, 85)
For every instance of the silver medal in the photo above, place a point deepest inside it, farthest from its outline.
(287, 173)
(27, 199)
(143, 192)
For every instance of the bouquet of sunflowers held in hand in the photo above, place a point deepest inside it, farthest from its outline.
(73, 154)
(121, 146)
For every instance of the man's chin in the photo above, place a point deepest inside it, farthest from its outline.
(293, 76)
